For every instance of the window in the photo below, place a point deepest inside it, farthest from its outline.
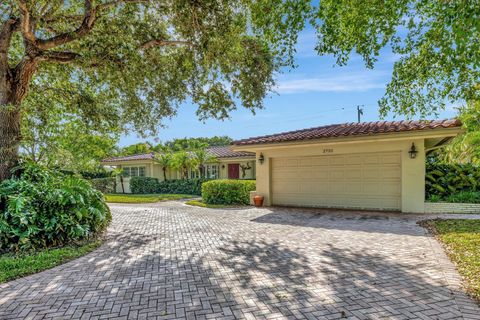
(194, 174)
(134, 171)
(211, 171)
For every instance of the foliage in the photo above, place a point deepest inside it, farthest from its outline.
(191, 186)
(186, 143)
(65, 142)
(227, 191)
(105, 185)
(183, 162)
(200, 203)
(464, 197)
(435, 42)
(43, 208)
(200, 157)
(13, 266)
(138, 148)
(444, 180)
(144, 198)
(164, 158)
(146, 185)
(465, 148)
(461, 238)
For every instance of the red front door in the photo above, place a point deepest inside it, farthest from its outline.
(233, 171)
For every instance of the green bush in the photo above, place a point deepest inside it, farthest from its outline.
(464, 197)
(191, 186)
(444, 180)
(144, 185)
(227, 191)
(42, 208)
(104, 185)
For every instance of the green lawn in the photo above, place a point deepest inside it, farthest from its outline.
(14, 266)
(200, 203)
(462, 241)
(144, 198)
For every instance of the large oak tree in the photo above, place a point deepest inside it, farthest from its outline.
(140, 58)
(130, 63)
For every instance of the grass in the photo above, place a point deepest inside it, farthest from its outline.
(13, 266)
(200, 203)
(461, 239)
(144, 198)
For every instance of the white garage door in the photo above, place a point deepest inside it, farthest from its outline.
(365, 181)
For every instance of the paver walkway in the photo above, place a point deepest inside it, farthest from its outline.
(172, 261)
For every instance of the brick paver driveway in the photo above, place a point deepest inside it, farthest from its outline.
(172, 261)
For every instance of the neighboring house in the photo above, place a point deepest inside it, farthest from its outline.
(370, 165)
(229, 165)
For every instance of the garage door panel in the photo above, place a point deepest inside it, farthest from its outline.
(366, 181)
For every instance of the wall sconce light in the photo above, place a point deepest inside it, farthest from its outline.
(261, 158)
(223, 166)
(413, 151)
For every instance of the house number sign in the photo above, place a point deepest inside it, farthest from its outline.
(327, 150)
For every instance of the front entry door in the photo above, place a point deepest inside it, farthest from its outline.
(233, 171)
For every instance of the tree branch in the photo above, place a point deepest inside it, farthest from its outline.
(58, 56)
(87, 25)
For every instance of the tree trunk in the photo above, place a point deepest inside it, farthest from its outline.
(164, 173)
(10, 137)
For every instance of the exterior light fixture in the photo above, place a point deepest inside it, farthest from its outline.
(413, 151)
(261, 158)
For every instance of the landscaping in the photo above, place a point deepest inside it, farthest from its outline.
(14, 266)
(144, 198)
(457, 183)
(146, 185)
(227, 192)
(461, 239)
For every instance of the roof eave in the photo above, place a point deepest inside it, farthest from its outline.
(425, 133)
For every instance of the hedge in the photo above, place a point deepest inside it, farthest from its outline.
(146, 185)
(227, 191)
(446, 180)
(104, 185)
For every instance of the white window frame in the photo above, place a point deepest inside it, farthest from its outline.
(140, 171)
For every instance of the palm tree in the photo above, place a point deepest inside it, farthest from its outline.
(164, 158)
(200, 158)
(182, 161)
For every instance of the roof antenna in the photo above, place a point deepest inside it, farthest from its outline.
(359, 112)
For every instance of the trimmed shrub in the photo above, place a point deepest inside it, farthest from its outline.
(191, 186)
(227, 191)
(104, 185)
(444, 180)
(144, 185)
(42, 208)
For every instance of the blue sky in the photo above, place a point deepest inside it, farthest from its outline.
(315, 93)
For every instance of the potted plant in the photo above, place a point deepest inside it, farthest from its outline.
(258, 200)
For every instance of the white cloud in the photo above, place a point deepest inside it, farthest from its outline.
(352, 82)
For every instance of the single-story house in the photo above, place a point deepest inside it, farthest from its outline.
(370, 165)
(229, 164)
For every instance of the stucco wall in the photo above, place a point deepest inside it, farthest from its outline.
(412, 175)
(446, 207)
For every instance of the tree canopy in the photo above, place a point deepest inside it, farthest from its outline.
(124, 65)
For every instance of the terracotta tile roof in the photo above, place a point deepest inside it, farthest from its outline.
(219, 152)
(350, 129)
(226, 152)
